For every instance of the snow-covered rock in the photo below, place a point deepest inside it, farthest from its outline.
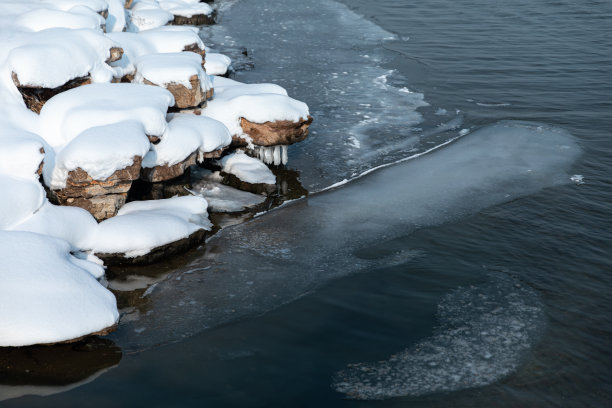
(247, 168)
(217, 64)
(47, 295)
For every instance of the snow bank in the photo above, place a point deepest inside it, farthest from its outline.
(116, 20)
(147, 15)
(258, 103)
(247, 168)
(20, 154)
(100, 151)
(43, 18)
(141, 226)
(68, 114)
(48, 297)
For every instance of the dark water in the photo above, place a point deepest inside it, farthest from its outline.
(520, 291)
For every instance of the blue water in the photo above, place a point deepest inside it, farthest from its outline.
(498, 302)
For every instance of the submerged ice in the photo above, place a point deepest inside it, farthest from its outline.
(483, 333)
(258, 266)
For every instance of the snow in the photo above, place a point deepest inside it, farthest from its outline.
(156, 41)
(217, 64)
(163, 69)
(247, 168)
(68, 114)
(185, 8)
(73, 224)
(20, 155)
(116, 20)
(186, 134)
(141, 226)
(100, 151)
(20, 198)
(258, 103)
(43, 18)
(49, 297)
(147, 15)
(52, 57)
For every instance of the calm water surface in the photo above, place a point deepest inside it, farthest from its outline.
(384, 81)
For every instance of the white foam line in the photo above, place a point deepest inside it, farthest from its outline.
(382, 166)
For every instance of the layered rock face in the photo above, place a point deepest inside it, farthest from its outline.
(102, 198)
(36, 96)
(281, 132)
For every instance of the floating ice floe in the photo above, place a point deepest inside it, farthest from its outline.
(47, 295)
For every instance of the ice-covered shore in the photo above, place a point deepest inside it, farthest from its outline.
(87, 86)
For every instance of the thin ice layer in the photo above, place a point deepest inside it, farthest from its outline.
(272, 264)
(483, 334)
(46, 295)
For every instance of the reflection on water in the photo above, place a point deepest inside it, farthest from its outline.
(47, 370)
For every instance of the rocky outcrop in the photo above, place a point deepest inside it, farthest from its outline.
(165, 172)
(102, 198)
(200, 51)
(185, 97)
(35, 96)
(196, 19)
(281, 132)
(158, 253)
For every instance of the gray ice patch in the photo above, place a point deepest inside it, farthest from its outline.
(484, 334)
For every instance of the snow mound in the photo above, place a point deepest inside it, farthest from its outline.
(43, 18)
(147, 15)
(20, 199)
(68, 114)
(163, 69)
(116, 20)
(156, 41)
(141, 226)
(186, 134)
(72, 224)
(100, 151)
(217, 64)
(247, 168)
(49, 297)
(52, 57)
(186, 8)
(20, 155)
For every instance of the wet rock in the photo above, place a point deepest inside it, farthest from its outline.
(35, 96)
(255, 188)
(102, 198)
(282, 132)
(158, 253)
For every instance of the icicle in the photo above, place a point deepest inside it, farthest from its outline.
(277, 155)
(285, 157)
(269, 155)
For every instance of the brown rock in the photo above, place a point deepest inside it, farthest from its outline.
(215, 154)
(35, 96)
(158, 253)
(102, 198)
(258, 188)
(197, 19)
(183, 96)
(282, 132)
(115, 54)
(165, 172)
(195, 48)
